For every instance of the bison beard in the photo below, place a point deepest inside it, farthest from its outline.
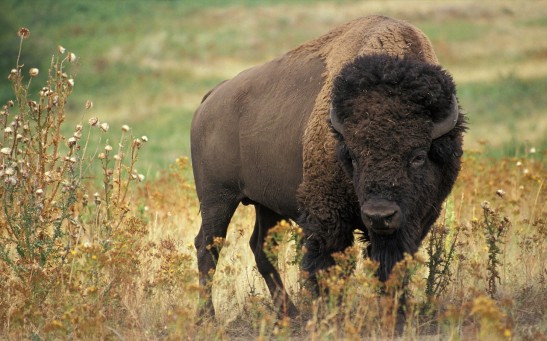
(389, 250)
(386, 250)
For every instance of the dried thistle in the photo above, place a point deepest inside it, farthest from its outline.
(33, 72)
(495, 229)
(93, 121)
(500, 192)
(23, 33)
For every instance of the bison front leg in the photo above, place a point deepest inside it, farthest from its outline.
(320, 242)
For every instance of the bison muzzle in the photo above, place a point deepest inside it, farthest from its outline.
(359, 129)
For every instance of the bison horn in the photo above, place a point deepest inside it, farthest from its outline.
(446, 125)
(336, 124)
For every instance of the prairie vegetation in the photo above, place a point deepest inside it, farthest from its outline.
(98, 212)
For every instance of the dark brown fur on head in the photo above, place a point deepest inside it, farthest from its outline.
(387, 107)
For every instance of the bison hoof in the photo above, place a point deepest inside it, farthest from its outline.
(290, 311)
(206, 312)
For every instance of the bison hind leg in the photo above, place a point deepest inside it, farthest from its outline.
(216, 214)
(266, 219)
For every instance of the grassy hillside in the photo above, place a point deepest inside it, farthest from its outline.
(148, 64)
(90, 251)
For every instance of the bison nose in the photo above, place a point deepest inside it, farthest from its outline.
(381, 216)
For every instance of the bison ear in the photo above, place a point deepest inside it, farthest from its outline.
(446, 125)
(336, 124)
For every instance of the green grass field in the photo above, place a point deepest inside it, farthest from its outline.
(124, 267)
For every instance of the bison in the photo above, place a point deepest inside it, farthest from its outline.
(359, 129)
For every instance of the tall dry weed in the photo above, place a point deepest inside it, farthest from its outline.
(67, 245)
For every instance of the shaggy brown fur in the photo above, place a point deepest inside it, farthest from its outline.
(363, 36)
(387, 106)
(326, 196)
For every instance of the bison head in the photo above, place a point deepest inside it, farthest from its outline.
(399, 135)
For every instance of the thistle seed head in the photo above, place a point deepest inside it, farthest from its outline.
(23, 33)
(72, 141)
(13, 74)
(93, 121)
(96, 198)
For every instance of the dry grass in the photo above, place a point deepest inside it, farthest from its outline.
(466, 308)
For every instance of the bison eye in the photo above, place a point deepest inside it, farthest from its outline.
(418, 159)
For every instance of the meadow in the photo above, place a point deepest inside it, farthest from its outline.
(98, 206)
